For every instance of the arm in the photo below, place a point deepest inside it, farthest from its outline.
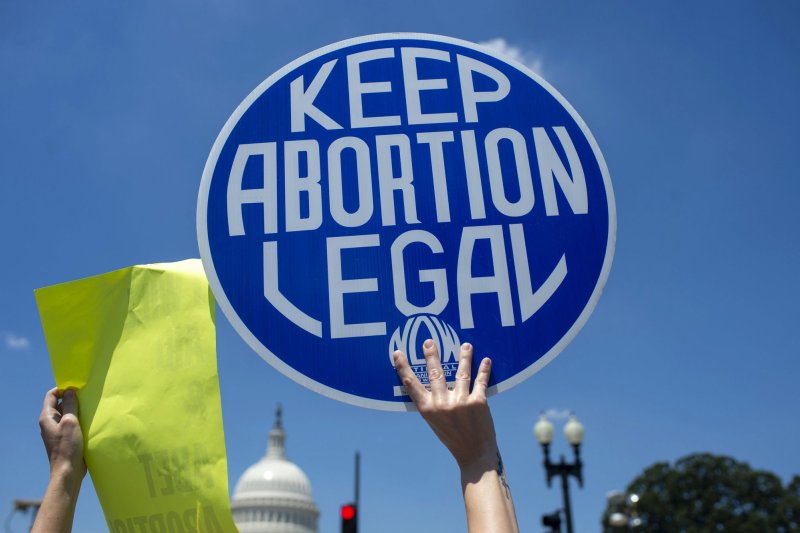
(462, 421)
(63, 441)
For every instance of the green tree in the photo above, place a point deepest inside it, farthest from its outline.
(709, 493)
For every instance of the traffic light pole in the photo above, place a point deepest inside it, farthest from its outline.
(358, 488)
(350, 511)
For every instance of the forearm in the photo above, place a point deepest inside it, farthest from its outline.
(58, 506)
(487, 497)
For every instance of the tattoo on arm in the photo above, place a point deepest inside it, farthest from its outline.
(501, 471)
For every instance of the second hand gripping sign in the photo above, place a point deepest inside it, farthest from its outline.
(396, 187)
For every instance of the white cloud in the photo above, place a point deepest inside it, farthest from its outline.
(557, 414)
(526, 57)
(15, 342)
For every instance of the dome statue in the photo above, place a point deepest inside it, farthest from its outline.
(274, 495)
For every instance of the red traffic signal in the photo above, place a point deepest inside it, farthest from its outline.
(349, 515)
(348, 512)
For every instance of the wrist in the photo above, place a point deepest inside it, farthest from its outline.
(67, 475)
(474, 466)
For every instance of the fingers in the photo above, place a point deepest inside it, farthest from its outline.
(464, 371)
(434, 365)
(50, 402)
(482, 379)
(69, 403)
(50, 412)
(438, 386)
(414, 388)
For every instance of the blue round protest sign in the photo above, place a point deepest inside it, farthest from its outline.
(391, 188)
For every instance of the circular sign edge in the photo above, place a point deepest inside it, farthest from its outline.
(352, 399)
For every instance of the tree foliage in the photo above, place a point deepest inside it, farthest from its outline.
(708, 493)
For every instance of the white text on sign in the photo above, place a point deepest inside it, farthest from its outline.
(380, 190)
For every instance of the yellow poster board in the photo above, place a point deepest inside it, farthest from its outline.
(138, 344)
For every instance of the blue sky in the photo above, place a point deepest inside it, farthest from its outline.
(107, 115)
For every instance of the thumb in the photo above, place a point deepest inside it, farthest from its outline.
(69, 403)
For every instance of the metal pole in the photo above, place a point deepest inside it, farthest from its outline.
(358, 488)
(565, 491)
(33, 517)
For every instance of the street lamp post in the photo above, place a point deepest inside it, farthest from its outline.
(24, 506)
(573, 431)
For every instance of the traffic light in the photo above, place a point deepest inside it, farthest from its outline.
(349, 514)
(553, 521)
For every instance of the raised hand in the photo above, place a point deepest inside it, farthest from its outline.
(63, 442)
(462, 421)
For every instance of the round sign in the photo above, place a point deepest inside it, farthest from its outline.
(396, 187)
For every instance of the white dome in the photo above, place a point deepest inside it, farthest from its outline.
(273, 478)
(274, 495)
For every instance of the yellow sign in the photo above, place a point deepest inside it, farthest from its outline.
(138, 344)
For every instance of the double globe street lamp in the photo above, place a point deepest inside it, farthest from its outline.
(573, 431)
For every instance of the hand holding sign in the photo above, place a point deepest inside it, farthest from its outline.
(463, 423)
(63, 441)
(61, 433)
(456, 416)
(138, 347)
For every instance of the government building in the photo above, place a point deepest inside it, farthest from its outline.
(274, 495)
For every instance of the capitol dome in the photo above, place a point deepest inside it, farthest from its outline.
(274, 495)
